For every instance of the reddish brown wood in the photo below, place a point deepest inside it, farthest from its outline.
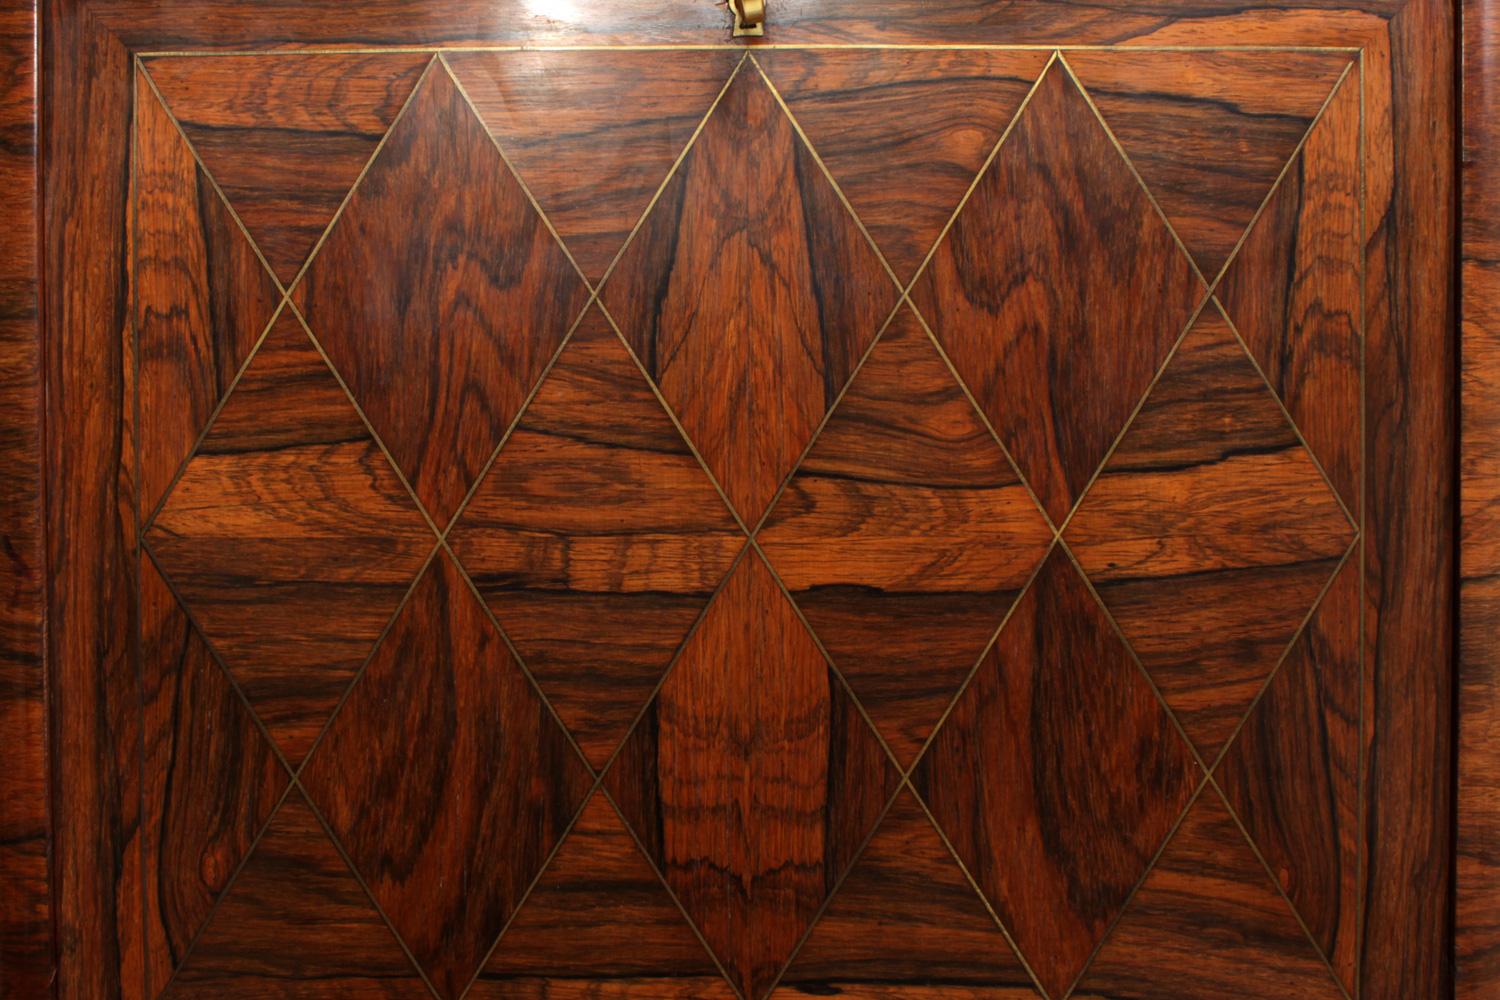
(1058, 775)
(296, 923)
(1209, 132)
(752, 374)
(1023, 292)
(290, 538)
(1210, 533)
(1478, 847)
(212, 779)
(1292, 774)
(594, 134)
(28, 958)
(1293, 291)
(904, 132)
(286, 137)
(203, 299)
(438, 266)
(905, 536)
(600, 922)
(752, 725)
(907, 922)
(596, 538)
(1207, 924)
(446, 778)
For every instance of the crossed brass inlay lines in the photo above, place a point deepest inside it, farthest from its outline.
(439, 63)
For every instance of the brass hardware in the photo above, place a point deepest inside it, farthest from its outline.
(749, 17)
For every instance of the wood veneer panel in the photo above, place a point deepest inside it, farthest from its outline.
(752, 779)
(750, 375)
(289, 538)
(285, 137)
(1207, 924)
(905, 535)
(1293, 290)
(212, 780)
(596, 538)
(1409, 510)
(1210, 533)
(1478, 913)
(904, 133)
(296, 924)
(1209, 132)
(444, 760)
(1292, 774)
(600, 922)
(906, 922)
(1057, 776)
(440, 295)
(593, 134)
(203, 298)
(1026, 290)
(27, 954)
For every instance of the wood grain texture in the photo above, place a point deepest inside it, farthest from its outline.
(289, 538)
(600, 923)
(28, 959)
(752, 779)
(1024, 292)
(439, 265)
(904, 133)
(905, 536)
(1293, 290)
(202, 298)
(1477, 974)
(752, 374)
(1210, 533)
(1209, 132)
(593, 134)
(1207, 924)
(296, 924)
(285, 137)
(596, 538)
(1410, 502)
(211, 781)
(1292, 774)
(907, 923)
(1058, 775)
(446, 778)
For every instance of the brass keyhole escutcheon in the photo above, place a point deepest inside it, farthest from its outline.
(749, 17)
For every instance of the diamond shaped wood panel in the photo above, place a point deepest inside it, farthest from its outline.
(744, 629)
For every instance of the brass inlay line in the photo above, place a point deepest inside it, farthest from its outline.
(1364, 478)
(754, 46)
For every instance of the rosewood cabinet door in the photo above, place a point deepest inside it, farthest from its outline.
(938, 501)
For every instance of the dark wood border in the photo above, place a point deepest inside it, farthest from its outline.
(1478, 855)
(1408, 69)
(26, 953)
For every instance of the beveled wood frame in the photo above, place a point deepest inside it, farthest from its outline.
(68, 691)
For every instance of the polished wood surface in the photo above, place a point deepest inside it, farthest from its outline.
(28, 960)
(752, 780)
(410, 811)
(1478, 846)
(597, 538)
(751, 375)
(1207, 888)
(903, 132)
(290, 538)
(1076, 775)
(405, 302)
(752, 808)
(1210, 533)
(1023, 291)
(1209, 132)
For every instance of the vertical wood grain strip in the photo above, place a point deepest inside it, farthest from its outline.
(1478, 861)
(26, 948)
